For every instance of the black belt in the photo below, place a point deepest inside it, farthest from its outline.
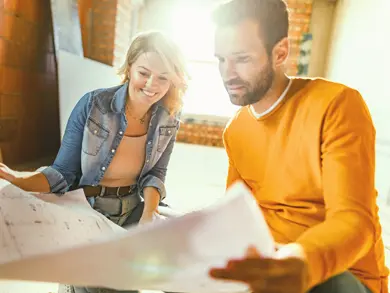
(93, 191)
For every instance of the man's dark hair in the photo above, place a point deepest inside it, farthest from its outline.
(271, 15)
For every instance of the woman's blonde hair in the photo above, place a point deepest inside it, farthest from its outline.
(170, 54)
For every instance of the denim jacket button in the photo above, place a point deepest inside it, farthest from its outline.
(169, 132)
(103, 168)
(120, 132)
(112, 151)
(149, 142)
(95, 131)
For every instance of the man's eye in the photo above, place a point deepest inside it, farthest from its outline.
(243, 59)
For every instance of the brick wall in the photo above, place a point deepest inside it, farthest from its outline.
(123, 31)
(29, 117)
(300, 16)
(106, 29)
(201, 132)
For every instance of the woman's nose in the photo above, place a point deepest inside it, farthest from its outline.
(151, 82)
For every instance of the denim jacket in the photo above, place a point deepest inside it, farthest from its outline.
(94, 130)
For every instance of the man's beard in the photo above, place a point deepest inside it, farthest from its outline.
(255, 93)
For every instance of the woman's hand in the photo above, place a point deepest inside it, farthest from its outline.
(7, 173)
(151, 201)
(28, 181)
(149, 216)
(146, 217)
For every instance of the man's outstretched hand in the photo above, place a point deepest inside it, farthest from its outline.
(287, 273)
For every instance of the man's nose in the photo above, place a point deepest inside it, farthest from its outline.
(229, 71)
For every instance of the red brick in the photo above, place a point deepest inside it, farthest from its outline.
(33, 10)
(11, 106)
(6, 25)
(12, 5)
(12, 80)
(3, 50)
(21, 88)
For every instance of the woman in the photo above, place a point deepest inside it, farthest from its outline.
(118, 141)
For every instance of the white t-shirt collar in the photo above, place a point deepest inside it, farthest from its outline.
(270, 109)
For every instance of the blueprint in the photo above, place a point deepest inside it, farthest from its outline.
(61, 239)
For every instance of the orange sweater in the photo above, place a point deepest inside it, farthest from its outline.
(310, 164)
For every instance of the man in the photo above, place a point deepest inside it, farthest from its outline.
(306, 149)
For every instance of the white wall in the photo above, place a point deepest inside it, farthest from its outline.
(359, 57)
(77, 76)
(321, 28)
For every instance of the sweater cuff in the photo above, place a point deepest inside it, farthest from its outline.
(315, 264)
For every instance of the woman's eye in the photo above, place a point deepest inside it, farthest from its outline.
(143, 73)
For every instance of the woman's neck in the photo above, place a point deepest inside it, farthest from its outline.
(137, 109)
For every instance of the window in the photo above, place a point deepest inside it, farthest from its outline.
(192, 28)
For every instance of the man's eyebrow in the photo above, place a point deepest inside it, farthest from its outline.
(234, 53)
(239, 52)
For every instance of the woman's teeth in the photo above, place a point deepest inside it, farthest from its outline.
(149, 94)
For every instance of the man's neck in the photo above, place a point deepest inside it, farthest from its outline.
(279, 85)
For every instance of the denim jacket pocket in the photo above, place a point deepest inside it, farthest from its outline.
(165, 135)
(94, 137)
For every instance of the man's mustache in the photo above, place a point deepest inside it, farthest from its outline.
(235, 82)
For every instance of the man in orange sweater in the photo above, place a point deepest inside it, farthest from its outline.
(306, 149)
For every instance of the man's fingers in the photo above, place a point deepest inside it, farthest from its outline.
(232, 275)
(250, 274)
(276, 284)
(260, 283)
(257, 283)
(252, 269)
(266, 264)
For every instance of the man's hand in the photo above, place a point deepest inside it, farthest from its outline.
(7, 173)
(266, 275)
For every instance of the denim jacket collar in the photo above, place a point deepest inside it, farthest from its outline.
(118, 102)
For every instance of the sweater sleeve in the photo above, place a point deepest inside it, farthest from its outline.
(233, 174)
(348, 169)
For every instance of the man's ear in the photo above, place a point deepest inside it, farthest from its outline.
(280, 52)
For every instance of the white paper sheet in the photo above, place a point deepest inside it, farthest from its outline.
(61, 239)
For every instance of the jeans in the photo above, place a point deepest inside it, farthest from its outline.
(343, 283)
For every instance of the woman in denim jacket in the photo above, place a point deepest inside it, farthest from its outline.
(118, 141)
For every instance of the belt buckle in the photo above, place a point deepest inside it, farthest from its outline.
(102, 191)
(118, 191)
